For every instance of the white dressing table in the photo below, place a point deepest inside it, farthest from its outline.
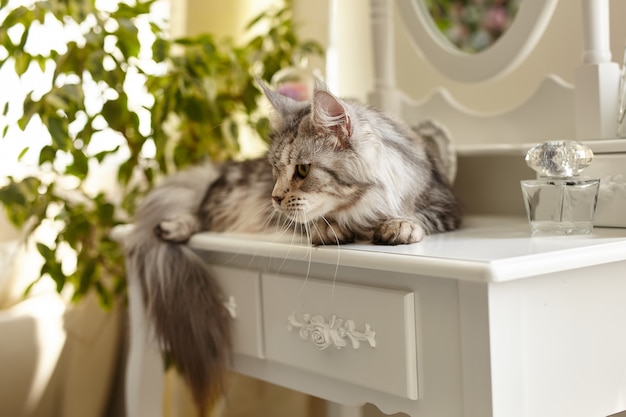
(485, 321)
(482, 322)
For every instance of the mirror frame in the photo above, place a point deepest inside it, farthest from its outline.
(496, 61)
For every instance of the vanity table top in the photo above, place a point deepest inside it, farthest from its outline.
(485, 249)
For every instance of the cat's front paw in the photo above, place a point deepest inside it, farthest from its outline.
(178, 229)
(325, 233)
(397, 232)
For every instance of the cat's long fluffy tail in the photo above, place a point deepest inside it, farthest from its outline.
(183, 300)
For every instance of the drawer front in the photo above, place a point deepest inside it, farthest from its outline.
(242, 289)
(353, 333)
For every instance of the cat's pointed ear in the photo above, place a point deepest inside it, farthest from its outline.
(320, 85)
(330, 114)
(282, 104)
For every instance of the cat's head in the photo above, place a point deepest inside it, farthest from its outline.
(316, 168)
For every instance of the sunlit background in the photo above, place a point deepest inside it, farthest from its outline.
(19, 150)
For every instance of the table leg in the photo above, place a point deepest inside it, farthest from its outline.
(144, 370)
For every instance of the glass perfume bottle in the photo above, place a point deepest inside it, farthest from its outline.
(560, 201)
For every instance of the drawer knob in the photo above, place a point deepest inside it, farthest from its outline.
(335, 332)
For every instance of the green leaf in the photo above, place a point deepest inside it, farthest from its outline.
(13, 198)
(86, 277)
(30, 108)
(53, 101)
(182, 155)
(105, 213)
(22, 61)
(195, 108)
(103, 154)
(30, 286)
(22, 153)
(16, 16)
(79, 166)
(129, 202)
(59, 130)
(263, 128)
(249, 97)
(47, 155)
(160, 49)
(255, 20)
(127, 38)
(53, 268)
(40, 10)
(95, 67)
(71, 62)
(115, 113)
(79, 226)
(125, 171)
(128, 12)
(45, 251)
(72, 96)
(41, 61)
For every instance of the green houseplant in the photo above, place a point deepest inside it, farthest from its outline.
(200, 91)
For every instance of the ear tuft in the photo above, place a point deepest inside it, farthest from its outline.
(285, 106)
(330, 114)
(281, 103)
(320, 85)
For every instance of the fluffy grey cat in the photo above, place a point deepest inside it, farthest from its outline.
(337, 171)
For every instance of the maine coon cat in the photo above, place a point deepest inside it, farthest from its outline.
(337, 171)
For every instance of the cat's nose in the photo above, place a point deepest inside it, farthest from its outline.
(277, 198)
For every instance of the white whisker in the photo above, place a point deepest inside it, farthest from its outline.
(307, 228)
(338, 256)
(289, 224)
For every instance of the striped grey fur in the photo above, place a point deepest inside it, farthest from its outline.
(336, 170)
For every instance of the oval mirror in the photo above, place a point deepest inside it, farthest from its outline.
(494, 61)
(471, 25)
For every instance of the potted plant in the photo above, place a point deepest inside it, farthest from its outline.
(101, 148)
(198, 93)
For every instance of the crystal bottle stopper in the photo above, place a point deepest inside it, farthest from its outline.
(559, 159)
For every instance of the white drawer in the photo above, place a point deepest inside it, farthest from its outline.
(243, 294)
(306, 320)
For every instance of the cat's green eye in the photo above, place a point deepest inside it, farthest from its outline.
(303, 169)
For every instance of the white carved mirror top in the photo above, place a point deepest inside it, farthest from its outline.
(518, 91)
(495, 61)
